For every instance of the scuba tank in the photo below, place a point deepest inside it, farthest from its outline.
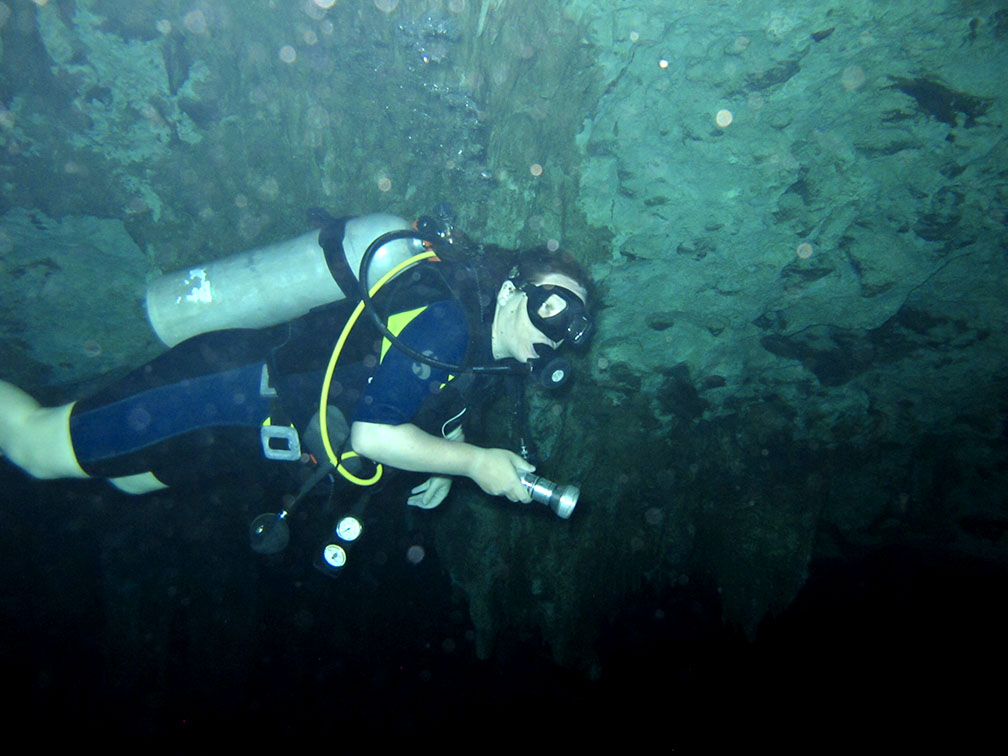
(275, 283)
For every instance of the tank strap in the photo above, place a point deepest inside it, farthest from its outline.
(331, 240)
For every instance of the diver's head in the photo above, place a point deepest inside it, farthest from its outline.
(544, 304)
(534, 265)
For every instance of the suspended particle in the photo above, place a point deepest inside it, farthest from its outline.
(853, 77)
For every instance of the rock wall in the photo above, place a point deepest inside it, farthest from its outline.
(804, 304)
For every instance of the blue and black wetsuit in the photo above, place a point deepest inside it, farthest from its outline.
(198, 409)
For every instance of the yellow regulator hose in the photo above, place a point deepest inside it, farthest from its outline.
(327, 381)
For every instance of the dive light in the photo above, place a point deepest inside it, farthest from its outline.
(561, 499)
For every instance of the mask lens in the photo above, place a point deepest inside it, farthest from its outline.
(558, 313)
(553, 306)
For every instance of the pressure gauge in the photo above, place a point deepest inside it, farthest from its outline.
(334, 555)
(349, 528)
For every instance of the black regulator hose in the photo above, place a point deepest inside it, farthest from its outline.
(372, 310)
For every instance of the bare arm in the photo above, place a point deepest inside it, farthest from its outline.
(407, 447)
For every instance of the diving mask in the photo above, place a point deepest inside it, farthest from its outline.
(571, 322)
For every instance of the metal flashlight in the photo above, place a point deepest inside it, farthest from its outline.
(561, 499)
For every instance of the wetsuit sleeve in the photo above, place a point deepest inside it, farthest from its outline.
(401, 385)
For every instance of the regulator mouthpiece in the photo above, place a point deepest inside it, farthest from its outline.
(549, 370)
(561, 499)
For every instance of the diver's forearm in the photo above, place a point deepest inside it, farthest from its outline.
(496, 471)
(407, 447)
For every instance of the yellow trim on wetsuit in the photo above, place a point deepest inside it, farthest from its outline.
(395, 324)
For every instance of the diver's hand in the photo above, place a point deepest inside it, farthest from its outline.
(498, 471)
(431, 492)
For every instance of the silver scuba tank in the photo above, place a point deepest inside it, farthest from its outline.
(268, 285)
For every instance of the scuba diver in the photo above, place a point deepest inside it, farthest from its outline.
(446, 325)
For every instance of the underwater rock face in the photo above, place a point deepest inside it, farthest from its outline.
(838, 192)
(128, 92)
(72, 304)
(807, 268)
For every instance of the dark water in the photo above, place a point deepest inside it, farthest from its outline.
(154, 621)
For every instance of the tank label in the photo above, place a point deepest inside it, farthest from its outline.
(200, 291)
